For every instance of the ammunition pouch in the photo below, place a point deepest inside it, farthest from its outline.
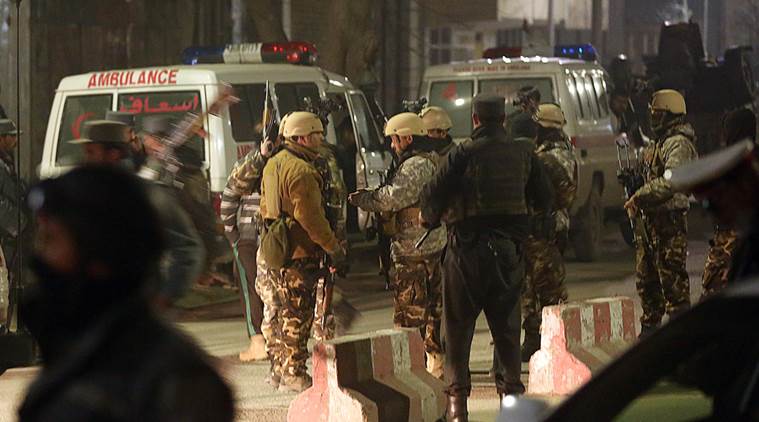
(388, 224)
(275, 242)
(408, 218)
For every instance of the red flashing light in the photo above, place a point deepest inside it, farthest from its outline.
(296, 52)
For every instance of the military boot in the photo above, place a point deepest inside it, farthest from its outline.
(530, 346)
(456, 410)
(256, 351)
(294, 383)
(435, 363)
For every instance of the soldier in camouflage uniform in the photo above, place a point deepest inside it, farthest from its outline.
(416, 271)
(660, 261)
(240, 213)
(737, 125)
(545, 272)
(291, 186)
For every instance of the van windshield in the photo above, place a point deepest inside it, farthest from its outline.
(508, 87)
(455, 97)
(77, 110)
(367, 130)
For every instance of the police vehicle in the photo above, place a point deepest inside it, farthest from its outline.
(568, 76)
(192, 87)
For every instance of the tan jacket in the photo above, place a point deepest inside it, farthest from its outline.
(291, 176)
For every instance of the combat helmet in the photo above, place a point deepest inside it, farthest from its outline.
(435, 118)
(550, 116)
(405, 124)
(301, 123)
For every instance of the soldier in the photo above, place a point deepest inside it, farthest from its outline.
(545, 273)
(737, 125)
(660, 262)
(416, 271)
(527, 101)
(10, 208)
(193, 192)
(438, 124)
(107, 143)
(485, 211)
(291, 188)
(240, 213)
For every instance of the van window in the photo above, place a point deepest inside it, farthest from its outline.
(76, 111)
(247, 114)
(603, 101)
(290, 96)
(592, 96)
(572, 86)
(172, 104)
(367, 132)
(509, 87)
(583, 94)
(455, 97)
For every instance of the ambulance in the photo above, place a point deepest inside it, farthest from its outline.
(573, 79)
(192, 87)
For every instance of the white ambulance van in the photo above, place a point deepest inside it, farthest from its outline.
(580, 88)
(193, 86)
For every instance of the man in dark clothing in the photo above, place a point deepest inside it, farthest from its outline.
(106, 356)
(107, 143)
(486, 212)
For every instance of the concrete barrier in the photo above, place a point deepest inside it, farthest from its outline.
(577, 339)
(370, 377)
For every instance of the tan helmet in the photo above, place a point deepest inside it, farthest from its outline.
(282, 124)
(435, 118)
(405, 124)
(301, 123)
(668, 100)
(549, 115)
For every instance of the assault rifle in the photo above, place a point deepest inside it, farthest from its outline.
(630, 175)
(322, 107)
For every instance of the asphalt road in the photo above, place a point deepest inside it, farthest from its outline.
(220, 329)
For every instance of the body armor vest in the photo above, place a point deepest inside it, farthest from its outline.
(495, 178)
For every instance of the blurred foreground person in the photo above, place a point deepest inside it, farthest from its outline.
(106, 356)
(737, 126)
(485, 211)
(727, 180)
(107, 143)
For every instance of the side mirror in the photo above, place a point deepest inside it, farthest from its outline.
(522, 409)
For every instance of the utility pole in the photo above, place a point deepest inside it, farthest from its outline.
(287, 18)
(706, 28)
(551, 28)
(597, 23)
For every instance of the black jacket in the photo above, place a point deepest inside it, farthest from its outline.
(127, 366)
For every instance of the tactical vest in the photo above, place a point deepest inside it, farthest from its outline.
(495, 178)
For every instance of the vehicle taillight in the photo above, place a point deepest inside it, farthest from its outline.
(216, 203)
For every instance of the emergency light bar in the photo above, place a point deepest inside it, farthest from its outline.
(580, 51)
(296, 52)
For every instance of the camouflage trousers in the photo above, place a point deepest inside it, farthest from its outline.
(662, 281)
(296, 286)
(327, 331)
(417, 285)
(717, 266)
(544, 281)
(271, 324)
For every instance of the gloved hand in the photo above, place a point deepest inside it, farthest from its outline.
(339, 263)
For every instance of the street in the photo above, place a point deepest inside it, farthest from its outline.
(223, 336)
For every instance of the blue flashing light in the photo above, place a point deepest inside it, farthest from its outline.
(582, 52)
(205, 54)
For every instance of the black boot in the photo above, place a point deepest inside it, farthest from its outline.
(456, 410)
(530, 346)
